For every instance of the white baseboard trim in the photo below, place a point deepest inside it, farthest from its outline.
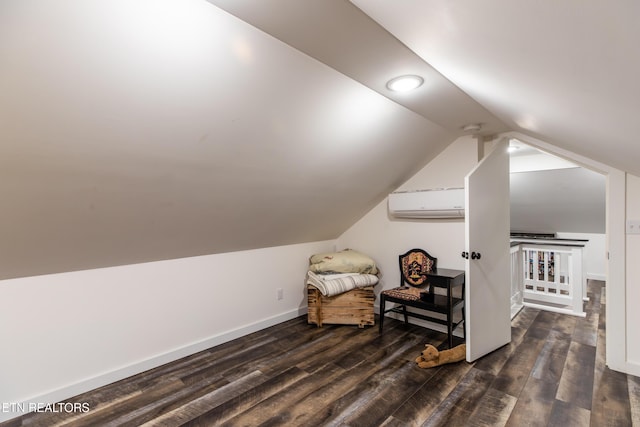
(632, 368)
(58, 395)
(554, 309)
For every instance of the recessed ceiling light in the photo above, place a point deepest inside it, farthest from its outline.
(405, 83)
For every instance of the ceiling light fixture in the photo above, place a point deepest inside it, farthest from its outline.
(472, 127)
(405, 83)
(514, 145)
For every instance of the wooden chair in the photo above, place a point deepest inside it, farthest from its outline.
(419, 276)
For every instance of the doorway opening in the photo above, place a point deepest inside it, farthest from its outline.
(558, 230)
(615, 270)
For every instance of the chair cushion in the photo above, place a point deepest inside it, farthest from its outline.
(404, 293)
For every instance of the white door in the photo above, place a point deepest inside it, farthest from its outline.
(487, 270)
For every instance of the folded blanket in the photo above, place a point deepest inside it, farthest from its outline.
(346, 261)
(334, 284)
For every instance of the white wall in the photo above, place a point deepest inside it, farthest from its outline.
(633, 276)
(560, 200)
(66, 333)
(384, 238)
(594, 254)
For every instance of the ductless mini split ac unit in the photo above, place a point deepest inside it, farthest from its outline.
(438, 203)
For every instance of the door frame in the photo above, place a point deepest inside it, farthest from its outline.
(616, 334)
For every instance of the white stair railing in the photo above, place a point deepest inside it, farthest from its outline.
(549, 277)
(516, 280)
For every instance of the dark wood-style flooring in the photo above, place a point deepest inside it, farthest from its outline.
(295, 374)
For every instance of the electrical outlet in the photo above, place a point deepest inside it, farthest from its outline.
(633, 226)
(280, 293)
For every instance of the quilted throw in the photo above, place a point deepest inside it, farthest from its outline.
(334, 284)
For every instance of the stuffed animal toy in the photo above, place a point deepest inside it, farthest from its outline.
(431, 357)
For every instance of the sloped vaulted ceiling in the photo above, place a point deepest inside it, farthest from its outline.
(563, 71)
(140, 130)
